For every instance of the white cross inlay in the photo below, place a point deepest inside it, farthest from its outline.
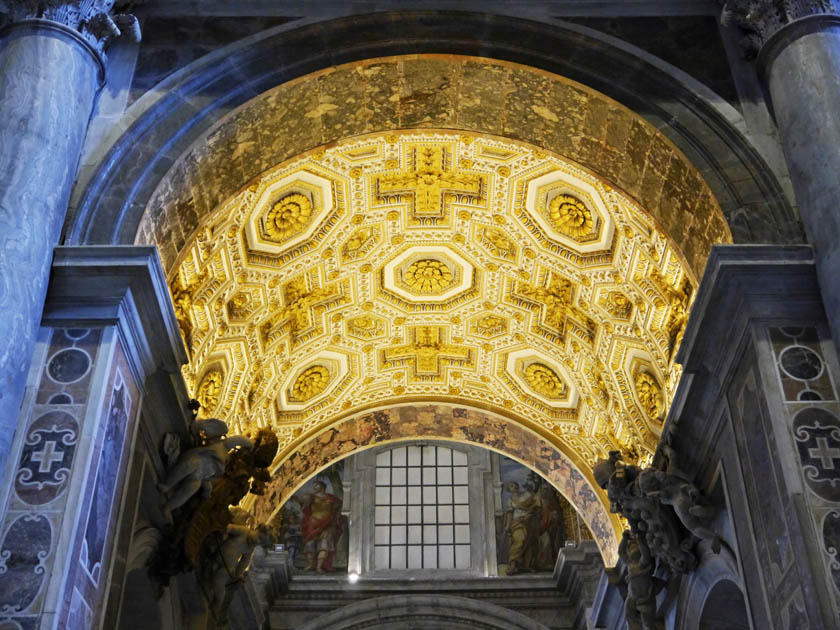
(48, 456)
(825, 454)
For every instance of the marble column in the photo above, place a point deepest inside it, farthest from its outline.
(51, 68)
(798, 55)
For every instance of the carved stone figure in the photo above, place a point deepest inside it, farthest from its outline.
(656, 502)
(642, 585)
(198, 466)
(228, 566)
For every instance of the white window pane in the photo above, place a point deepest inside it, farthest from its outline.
(445, 494)
(383, 458)
(382, 515)
(429, 495)
(444, 456)
(398, 456)
(398, 557)
(462, 533)
(429, 514)
(428, 455)
(430, 534)
(446, 557)
(461, 475)
(415, 557)
(380, 536)
(398, 535)
(383, 476)
(382, 497)
(430, 557)
(398, 514)
(413, 455)
(462, 514)
(414, 514)
(381, 557)
(444, 476)
(461, 494)
(462, 556)
(445, 514)
(428, 476)
(398, 495)
(445, 534)
(459, 458)
(415, 534)
(398, 476)
(413, 495)
(413, 476)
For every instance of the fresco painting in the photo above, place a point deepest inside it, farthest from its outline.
(535, 521)
(312, 526)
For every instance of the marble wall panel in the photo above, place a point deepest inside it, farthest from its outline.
(806, 371)
(91, 552)
(47, 459)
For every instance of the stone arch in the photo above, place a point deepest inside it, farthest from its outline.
(713, 587)
(546, 455)
(185, 107)
(724, 608)
(423, 612)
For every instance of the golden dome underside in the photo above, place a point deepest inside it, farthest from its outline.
(426, 271)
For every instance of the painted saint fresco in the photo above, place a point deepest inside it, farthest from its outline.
(535, 523)
(312, 527)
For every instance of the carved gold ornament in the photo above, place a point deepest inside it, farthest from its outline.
(311, 382)
(428, 276)
(544, 380)
(409, 278)
(210, 391)
(570, 216)
(650, 394)
(288, 216)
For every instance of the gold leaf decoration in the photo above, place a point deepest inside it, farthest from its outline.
(570, 216)
(650, 394)
(311, 382)
(544, 380)
(288, 216)
(210, 390)
(428, 276)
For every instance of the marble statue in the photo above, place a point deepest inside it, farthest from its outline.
(198, 466)
(230, 563)
(642, 585)
(659, 504)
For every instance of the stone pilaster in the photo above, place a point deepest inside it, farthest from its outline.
(51, 68)
(101, 388)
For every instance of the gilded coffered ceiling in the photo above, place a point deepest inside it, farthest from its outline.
(435, 265)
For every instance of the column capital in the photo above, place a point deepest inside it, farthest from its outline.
(761, 19)
(98, 22)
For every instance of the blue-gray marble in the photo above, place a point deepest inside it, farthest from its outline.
(48, 82)
(803, 75)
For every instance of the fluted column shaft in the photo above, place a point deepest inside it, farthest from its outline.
(801, 66)
(49, 77)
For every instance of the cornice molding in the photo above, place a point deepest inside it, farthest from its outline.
(760, 20)
(98, 22)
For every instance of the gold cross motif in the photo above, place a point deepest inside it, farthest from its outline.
(431, 181)
(426, 354)
(556, 304)
(297, 315)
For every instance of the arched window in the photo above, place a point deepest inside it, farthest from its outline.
(422, 511)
